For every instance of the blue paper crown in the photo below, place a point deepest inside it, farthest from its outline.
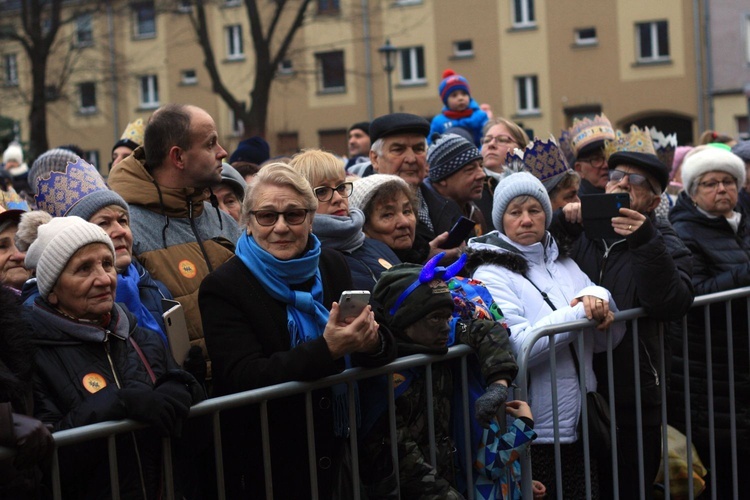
(59, 192)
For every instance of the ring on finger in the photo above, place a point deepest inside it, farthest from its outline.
(630, 226)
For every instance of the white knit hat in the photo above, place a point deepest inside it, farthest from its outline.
(14, 152)
(711, 159)
(513, 186)
(56, 242)
(366, 187)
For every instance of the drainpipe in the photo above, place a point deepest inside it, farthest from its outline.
(709, 67)
(113, 72)
(368, 59)
(699, 65)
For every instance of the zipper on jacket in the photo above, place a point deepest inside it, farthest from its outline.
(197, 236)
(109, 358)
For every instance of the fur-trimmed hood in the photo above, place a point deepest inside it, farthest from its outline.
(495, 249)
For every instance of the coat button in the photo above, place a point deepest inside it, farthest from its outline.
(324, 463)
(324, 403)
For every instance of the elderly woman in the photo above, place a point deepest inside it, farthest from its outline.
(336, 224)
(94, 363)
(534, 285)
(13, 272)
(279, 329)
(719, 239)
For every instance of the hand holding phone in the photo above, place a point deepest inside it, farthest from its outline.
(458, 233)
(352, 302)
(597, 211)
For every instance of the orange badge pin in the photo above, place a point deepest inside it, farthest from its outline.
(187, 268)
(93, 382)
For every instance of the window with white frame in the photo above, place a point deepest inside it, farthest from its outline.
(238, 128)
(10, 70)
(411, 67)
(149, 91)
(144, 20)
(586, 36)
(527, 95)
(188, 77)
(87, 97)
(84, 31)
(463, 48)
(286, 67)
(652, 41)
(331, 73)
(523, 14)
(234, 42)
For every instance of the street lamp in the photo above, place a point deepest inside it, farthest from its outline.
(389, 64)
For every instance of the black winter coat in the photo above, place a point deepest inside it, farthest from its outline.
(721, 261)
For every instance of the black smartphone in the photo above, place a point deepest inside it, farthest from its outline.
(597, 211)
(458, 233)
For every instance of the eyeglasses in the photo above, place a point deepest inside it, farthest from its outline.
(595, 161)
(325, 193)
(501, 139)
(291, 217)
(712, 185)
(634, 179)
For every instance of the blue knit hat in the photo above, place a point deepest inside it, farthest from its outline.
(253, 150)
(452, 82)
(513, 186)
(449, 154)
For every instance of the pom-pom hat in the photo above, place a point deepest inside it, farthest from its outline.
(450, 83)
(513, 186)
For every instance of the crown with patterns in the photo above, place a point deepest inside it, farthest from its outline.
(545, 160)
(567, 149)
(635, 141)
(665, 145)
(134, 131)
(584, 132)
(59, 192)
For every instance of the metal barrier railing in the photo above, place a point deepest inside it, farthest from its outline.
(261, 396)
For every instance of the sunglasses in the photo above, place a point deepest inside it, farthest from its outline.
(291, 217)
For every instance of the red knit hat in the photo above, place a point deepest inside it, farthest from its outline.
(452, 82)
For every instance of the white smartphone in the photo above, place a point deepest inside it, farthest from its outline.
(352, 302)
(177, 332)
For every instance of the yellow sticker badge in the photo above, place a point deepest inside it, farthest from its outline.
(385, 263)
(398, 379)
(93, 382)
(187, 268)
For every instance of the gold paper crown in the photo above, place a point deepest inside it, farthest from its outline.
(635, 141)
(134, 132)
(584, 132)
(665, 146)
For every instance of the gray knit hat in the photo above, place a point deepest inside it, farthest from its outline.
(232, 178)
(367, 187)
(56, 242)
(448, 154)
(710, 159)
(742, 149)
(54, 160)
(513, 186)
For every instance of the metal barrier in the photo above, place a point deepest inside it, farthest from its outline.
(215, 406)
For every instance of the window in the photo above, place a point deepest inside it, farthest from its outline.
(412, 65)
(586, 36)
(527, 95)
(747, 39)
(51, 93)
(232, 3)
(330, 69)
(188, 77)
(92, 156)
(743, 127)
(84, 31)
(523, 14)
(652, 41)
(10, 70)
(234, 42)
(463, 48)
(287, 143)
(149, 91)
(185, 6)
(238, 128)
(286, 67)
(328, 7)
(144, 19)
(87, 97)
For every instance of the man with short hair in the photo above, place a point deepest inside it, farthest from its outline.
(177, 234)
(358, 144)
(587, 139)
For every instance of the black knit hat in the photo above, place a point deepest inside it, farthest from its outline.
(449, 154)
(253, 150)
(363, 126)
(398, 123)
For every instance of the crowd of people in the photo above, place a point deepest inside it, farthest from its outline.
(256, 251)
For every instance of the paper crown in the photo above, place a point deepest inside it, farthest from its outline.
(134, 132)
(665, 145)
(59, 192)
(635, 141)
(11, 200)
(564, 143)
(587, 131)
(545, 160)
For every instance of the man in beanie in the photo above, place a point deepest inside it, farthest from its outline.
(179, 233)
(647, 266)
(456, 174)
(416, 304)
(230, 191)
(459, 109)
(399, 147)
(130, 139)
(358, 144)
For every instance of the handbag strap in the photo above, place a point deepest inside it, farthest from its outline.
(143, 358)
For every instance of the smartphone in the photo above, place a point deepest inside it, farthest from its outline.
(597, 211)
(352, 302)
(458, 233)
(176, 329)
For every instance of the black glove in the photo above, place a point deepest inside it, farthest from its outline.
(178, 392)
(33, 441)
(154, 408)
(195, 364)
(488, 404)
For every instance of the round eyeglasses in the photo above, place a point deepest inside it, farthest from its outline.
(291, 217)
(325, 193)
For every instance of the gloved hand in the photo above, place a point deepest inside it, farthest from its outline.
(488, 404)
(195, 364)
(179, 393)
(33, 441)
(154, 408)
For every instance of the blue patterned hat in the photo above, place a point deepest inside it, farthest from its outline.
(545, 160)
(80, 190)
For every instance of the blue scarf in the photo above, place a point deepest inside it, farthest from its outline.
(129, 294)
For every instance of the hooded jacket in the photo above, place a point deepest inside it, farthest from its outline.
(512, 273)
(177, 235)
(473, 123)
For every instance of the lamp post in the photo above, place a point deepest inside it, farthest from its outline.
(746, 91)
(388, 52)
